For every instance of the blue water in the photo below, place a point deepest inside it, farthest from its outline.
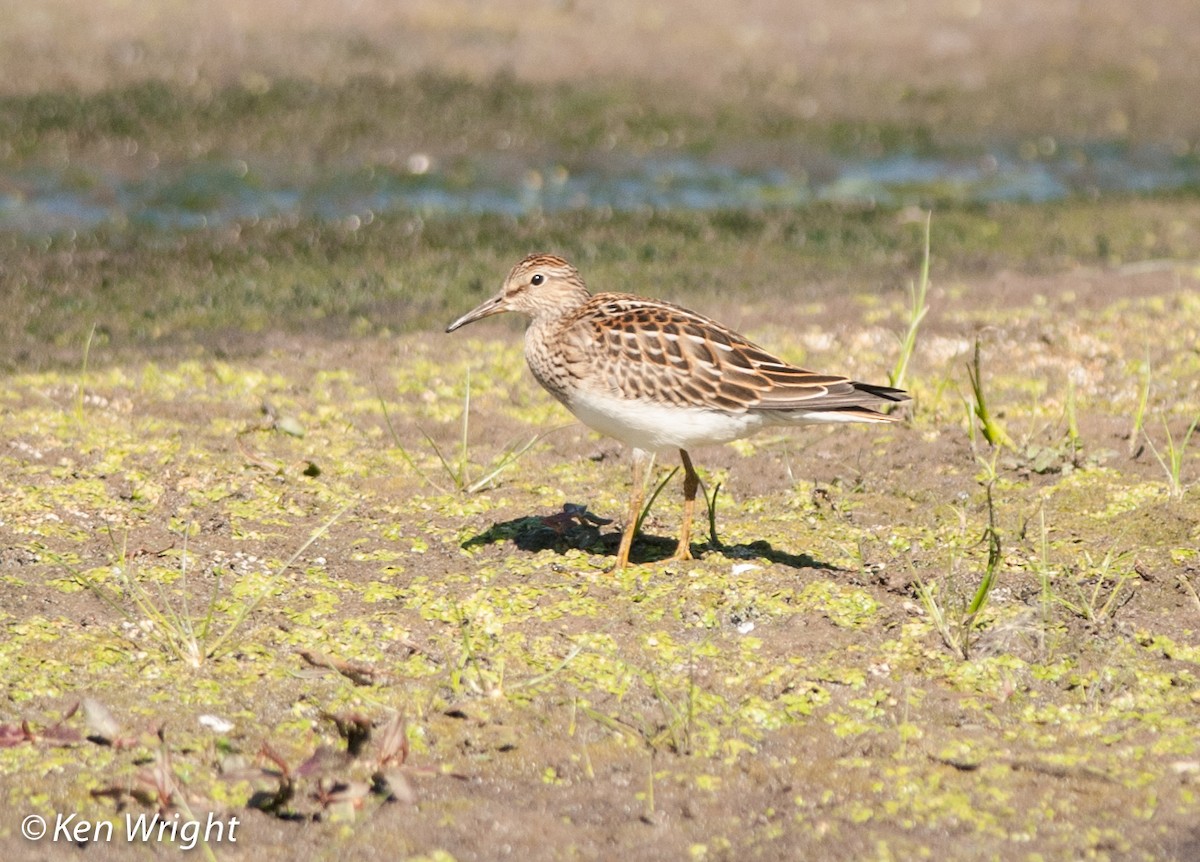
(213, 193)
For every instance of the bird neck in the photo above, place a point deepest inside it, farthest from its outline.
(562, 305)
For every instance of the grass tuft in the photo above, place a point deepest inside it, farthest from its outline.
(83, 374)
(959, 630)
(1171, 459)
(178, 632)
(459, 470)
(1139, 415)
(917, 309)
(989, 426)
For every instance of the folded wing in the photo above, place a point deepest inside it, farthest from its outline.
(666, 354)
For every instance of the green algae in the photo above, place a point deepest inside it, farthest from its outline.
(524, 665)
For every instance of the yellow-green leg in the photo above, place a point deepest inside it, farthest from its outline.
(636, 494)
(690, 483)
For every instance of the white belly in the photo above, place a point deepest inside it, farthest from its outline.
(660, 428)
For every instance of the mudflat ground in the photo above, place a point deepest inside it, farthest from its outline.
(250, 524)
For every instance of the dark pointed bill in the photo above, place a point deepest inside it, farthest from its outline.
(485, 309)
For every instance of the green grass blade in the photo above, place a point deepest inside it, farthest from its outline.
(461, 480)
(995, 556)
(249, 608)
(403, 451)
(83, 371)
(712, 515)
(509, 457)
(654, 496)
(918, 308)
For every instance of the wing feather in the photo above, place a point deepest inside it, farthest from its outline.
(641, 348)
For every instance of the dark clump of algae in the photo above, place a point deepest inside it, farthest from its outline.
(184, 411)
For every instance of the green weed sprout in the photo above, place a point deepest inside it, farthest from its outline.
(1101, 602)
(1139, 415)
(1073, 438)
(992, 431)
(712, 514)
(459, 469)
(917, 310)
(178, 632)
(658, 488)
(1172, 459)
(710, 503)
(957, 633)
(83, 370)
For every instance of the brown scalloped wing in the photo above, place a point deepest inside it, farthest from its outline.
(666, 354)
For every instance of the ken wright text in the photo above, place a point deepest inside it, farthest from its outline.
(142, 828)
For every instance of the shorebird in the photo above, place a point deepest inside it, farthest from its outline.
(659, 377)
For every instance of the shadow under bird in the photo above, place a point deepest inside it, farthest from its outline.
(659, 377)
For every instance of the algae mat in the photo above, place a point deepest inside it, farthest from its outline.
(257, 568)
(278, 604)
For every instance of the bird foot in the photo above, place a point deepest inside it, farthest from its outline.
(682, 553)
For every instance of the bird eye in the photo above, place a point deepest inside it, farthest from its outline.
(537, 279)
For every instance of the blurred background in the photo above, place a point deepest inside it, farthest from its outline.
(181, 115)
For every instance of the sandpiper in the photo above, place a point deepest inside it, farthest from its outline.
(659, 377)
